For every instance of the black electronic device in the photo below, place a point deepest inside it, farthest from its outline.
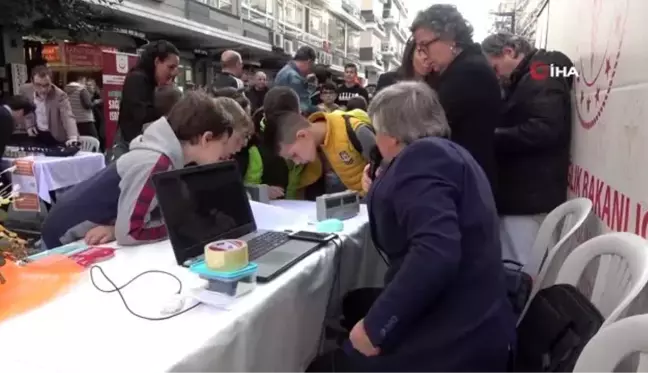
(311, 236)
(375, 161)
(207, 203)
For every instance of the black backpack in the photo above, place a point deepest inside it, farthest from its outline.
(353, 137)
(557, 326)
(518, 285)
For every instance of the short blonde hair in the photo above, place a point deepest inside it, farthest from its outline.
(240, 118)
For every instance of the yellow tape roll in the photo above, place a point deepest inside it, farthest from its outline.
(226, 255)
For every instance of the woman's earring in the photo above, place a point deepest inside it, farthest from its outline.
(453, 50)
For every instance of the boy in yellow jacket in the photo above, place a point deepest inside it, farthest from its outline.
(335, 147)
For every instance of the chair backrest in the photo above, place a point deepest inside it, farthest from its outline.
(621, 275)
(89, 144)
(554, 241)
(612, 344)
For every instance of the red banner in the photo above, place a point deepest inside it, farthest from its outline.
(115, 68)
(83, 55)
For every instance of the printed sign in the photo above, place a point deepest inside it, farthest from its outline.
(24, 181)
(115, 68)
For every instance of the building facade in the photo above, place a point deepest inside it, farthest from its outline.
(383, 40)
(520, 17)
(261, 29)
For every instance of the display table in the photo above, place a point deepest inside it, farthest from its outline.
(275, 328)
(54, 173)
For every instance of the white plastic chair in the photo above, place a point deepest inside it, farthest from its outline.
(89, 144)
(615, 343)
(554, 241)
(621, 275)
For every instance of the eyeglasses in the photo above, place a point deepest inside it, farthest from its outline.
(422, 47)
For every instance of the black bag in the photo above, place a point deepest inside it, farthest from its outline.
(557, 326)
(518, 285)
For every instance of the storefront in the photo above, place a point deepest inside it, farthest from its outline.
(65, 58)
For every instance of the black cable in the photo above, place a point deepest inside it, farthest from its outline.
(118, 289)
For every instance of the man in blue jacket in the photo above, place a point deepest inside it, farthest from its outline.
(293, 75)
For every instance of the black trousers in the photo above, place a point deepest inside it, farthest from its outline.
(87, 129)
(355, 306)
(45, 138)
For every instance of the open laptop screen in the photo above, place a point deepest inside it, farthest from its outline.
(201, 204)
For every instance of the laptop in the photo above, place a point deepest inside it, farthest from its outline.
(202, 204)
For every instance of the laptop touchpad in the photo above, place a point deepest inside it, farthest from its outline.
(276, 258)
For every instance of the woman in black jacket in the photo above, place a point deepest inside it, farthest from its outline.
(467, 86)
(157, 66)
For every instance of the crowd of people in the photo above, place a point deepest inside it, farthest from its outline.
(459, 155)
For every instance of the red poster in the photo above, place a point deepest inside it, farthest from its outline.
(115, 68)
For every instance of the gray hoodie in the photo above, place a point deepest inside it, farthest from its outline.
(121, 194)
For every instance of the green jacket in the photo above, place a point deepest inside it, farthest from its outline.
(263, 167)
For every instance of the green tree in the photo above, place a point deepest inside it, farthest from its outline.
(35, 16)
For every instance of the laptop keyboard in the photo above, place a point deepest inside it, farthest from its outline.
(264, 243)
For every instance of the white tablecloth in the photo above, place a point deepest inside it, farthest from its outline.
(54, 173)
(274, 328)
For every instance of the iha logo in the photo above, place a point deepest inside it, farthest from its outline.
(542, 71)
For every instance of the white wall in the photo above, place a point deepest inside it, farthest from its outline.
(610, 140)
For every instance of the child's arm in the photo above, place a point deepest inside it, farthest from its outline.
(254, 172)
(134, 224)
(367, 139)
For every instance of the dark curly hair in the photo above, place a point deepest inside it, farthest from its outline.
(447, 22)
(159, 49)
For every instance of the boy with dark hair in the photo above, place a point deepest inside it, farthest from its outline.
(357, 103)
(328, 96)
(351, 86)
(119, 202)
(344, 141)
(261, 164)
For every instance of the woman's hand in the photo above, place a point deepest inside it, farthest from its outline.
(100, 235)
(360, 340)
(275, 192)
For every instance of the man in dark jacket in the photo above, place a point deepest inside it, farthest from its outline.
(231, 71)
(257, 91)
(532, 143)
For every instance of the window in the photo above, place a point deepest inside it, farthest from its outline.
(378, 7)
(258, 11)
(294, 14)
(224, 5)
(336, 34)
(318, 23)
(353, 47)
(261, 6)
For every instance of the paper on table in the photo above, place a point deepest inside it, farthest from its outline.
(210, 298)
(276, 218)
